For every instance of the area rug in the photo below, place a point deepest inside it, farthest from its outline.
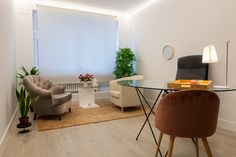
(79, 116)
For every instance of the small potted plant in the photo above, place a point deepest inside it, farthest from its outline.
(24, 104)
(86, 77)
(86, 80)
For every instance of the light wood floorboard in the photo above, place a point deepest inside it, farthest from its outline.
(107, 139)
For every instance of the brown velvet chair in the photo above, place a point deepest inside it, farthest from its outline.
(52, 98)
(189, 114)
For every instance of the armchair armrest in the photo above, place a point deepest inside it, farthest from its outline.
(58, 89)
(59, 99)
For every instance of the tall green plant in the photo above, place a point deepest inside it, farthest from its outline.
(125, 59)
(24, 101)
(24, 72)
(33, 71)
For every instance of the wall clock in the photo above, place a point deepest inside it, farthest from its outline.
(168, 52)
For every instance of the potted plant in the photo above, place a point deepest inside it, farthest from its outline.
(86, 77)
(33, 71)
(125, 59)
(24, 104)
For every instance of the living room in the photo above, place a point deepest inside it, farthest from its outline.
(144, 26)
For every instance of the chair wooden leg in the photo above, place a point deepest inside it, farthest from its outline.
(206, 145)
(69, 110)
(196, 145)
(159, 143)
(35, 116)
(171, 146)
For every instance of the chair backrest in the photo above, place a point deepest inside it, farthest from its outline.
(191, 67)
(36, 85)
(189, 113)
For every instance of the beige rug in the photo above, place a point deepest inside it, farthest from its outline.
(79, 116)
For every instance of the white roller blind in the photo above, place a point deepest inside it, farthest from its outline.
(72, 42)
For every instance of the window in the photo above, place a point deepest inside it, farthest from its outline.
(71, 42)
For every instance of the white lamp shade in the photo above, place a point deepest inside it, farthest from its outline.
(209, 54)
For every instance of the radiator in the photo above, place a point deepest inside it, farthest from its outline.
(72, 87)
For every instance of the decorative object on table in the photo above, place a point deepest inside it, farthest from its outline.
(190, 84)
(24, 104)
(52, 98)
(187, 114)
(210, 56)
(123, 96)
(168, 52)
(86, 77)
(125, 59)
(87, 80)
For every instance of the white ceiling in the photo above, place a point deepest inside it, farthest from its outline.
(115, 5)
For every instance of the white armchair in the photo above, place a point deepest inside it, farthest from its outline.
(123, 96)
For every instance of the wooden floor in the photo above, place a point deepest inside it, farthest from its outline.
(107, 139)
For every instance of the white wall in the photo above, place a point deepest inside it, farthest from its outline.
(188, 26)
(24, 33)
(124, 32)
(7, 60)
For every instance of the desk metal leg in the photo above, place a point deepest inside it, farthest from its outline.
(147, 115)
(151, 110)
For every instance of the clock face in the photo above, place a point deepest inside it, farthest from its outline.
(168, 52)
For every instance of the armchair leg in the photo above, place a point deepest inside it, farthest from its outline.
(70, 110)
(197, 148)
(59, 117)
(206, 145)
(35, 116)
(171, 145)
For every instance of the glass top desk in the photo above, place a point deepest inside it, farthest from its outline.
(160, 86)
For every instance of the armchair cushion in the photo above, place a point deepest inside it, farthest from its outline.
(115, 94)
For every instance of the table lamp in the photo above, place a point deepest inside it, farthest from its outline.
(210, 56)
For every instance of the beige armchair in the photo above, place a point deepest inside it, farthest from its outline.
(123, 96)
(52, 99)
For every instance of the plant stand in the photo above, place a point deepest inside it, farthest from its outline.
(20, 126)
(87, 94)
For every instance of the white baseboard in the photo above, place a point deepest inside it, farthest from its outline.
(226, 124)
(6, 132)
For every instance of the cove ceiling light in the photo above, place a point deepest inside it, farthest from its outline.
(72, 6)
